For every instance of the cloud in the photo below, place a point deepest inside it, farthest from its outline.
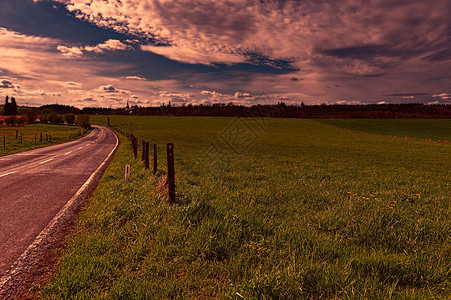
(289, 49)
(6, 84)
(347, 102)
(109, 45)
(239, 95)
(70, 51)
(135, 78)
(443, 96)
(108, 89)
(209, 31)
(175, 97)
(72, 85)
(186, 53)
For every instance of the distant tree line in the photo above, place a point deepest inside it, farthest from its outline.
(281, 110)
(52, 114)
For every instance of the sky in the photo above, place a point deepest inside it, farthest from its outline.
(103, 53)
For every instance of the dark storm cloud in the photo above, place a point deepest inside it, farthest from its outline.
(6, 84)
(369, 52)
(51, 19)
(289, 49)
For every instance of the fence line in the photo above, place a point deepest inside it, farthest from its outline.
(19, 138)
(145, 158)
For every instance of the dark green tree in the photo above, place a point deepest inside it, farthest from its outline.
(31, 116)
(69, 118)
(83, 121)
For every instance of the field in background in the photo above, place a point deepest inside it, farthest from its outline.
(31, 136)
(270, 209)
(415, 128)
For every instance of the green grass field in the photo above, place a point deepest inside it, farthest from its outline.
(267, 209)
(415, 128)
(29, 136)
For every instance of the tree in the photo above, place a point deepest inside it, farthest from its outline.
(7, 107)
(44, 118)
(83, 121)
(47, 111)
(31, 116)
(55, 118)
(69, 118)
(13, 106)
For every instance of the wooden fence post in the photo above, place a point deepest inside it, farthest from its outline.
(135, 147)
(171, 173)
(4, 142)
(41, 138)
(108, 121)
(146, 156)
(155, 161)
(143, 157)
(17, 134)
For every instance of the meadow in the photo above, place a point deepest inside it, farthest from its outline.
(29, 136)
(434, 129)
(266, 209)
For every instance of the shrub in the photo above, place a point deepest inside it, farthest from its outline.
(20, 120)
(10, 120)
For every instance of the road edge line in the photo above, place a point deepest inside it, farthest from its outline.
(18, 265)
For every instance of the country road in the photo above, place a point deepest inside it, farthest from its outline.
(37, 185)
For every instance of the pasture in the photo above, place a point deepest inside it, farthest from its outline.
(15, 139)
(266, 209)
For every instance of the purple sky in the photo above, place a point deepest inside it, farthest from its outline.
(104, 53)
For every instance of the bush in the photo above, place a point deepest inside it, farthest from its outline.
(10, 120)
(83, 121)
(69, 118)
(20, 120)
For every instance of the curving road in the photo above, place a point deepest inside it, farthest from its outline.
(38, 186)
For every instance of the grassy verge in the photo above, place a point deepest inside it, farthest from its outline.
(434, 129)
(270, 209)
(29, 136)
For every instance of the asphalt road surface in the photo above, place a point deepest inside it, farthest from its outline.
(36, 186)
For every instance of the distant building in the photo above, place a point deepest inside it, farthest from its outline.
(131, 110)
